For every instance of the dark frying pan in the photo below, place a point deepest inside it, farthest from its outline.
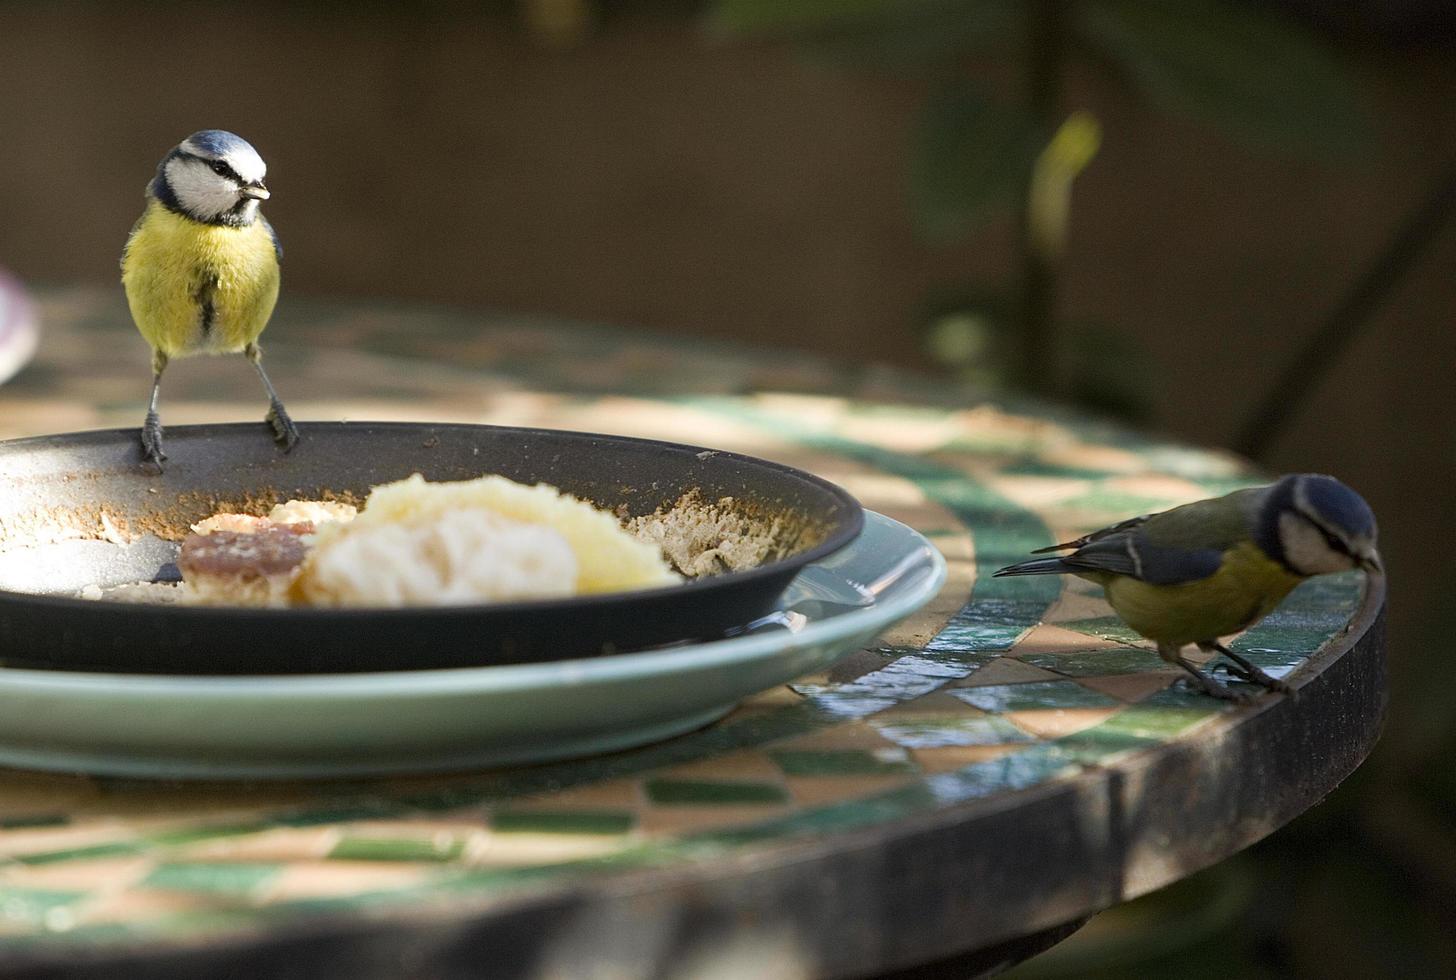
(81, 509)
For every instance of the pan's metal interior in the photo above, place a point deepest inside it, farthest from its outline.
(84, 510)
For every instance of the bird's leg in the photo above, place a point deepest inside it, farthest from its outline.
(152, 427)
(1244, 669)
(284, 431)
(1174, 655)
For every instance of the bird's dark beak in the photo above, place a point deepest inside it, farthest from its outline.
(255, 190)
(1372, 564)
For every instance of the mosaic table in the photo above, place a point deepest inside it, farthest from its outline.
(985, 776)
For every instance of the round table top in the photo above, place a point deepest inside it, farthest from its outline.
(1008, 760)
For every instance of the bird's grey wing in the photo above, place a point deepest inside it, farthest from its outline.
(1130, 553)
(1188, 543)
(1097, 535)
(277, 245)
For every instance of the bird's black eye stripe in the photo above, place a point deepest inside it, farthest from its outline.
(1334, 541)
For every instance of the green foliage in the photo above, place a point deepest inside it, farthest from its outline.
(971, 158)
(900, 34)
(1247, 69)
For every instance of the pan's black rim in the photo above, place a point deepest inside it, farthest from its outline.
(847, 525)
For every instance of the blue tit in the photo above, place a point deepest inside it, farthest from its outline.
(1214, 567)
(200, 267)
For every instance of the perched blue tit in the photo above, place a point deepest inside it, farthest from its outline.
(200, 267)
(1214, 567)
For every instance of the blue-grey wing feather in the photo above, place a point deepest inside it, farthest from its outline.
(1129, 552)
(277, 245)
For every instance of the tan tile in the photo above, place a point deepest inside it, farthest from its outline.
(1131, 687)
(934, 704)
(1060, 642)
(331, 879)
(144, 906)
(952, 757)
(852, 735)
(1006, 670)
(40, 840)
(673, 821)
(1037, 492)
(1057, 722)
(1075, 604)
(750, 765)
(271, 846)
(521, 849)
(811, 791)
(99, 875)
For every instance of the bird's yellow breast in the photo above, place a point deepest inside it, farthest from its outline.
(197, 288)
(1246, 587)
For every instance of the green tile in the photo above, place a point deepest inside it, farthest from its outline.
(940, 731)
(114, 849)
(32, 906)
(842, 762)
(213, 878)
(1033, 696)
(1098, 663)
(28, 821)
(397, 849)
(563, 821)
(1036, 466)
(1100, 742)
(1164, 715)
(706, 792)
(1104, 628)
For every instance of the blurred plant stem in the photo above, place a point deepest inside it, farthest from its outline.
(1323, 350)
(1037, 367)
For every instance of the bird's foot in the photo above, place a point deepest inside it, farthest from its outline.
(1254, 675)
(152, 439)
(1214, 689)
(285, 433)
(1241, 668)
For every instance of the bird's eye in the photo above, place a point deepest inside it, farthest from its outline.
(219, 168)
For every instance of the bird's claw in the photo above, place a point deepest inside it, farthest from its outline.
(152, 439)
(285, 433)
(1214, 689)
(1253, 675)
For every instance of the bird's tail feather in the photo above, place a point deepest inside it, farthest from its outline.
(1037, 566)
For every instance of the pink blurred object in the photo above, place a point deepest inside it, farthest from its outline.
(19, 330)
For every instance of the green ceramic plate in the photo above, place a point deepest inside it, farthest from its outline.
(440, 720)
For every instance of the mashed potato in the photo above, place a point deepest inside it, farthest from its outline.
(490, 539)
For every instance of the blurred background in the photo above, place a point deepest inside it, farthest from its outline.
(1228, 222)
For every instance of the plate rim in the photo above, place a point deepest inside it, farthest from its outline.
(848, 530)
(514, 676)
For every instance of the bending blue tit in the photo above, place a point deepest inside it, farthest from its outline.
(1208, 569)
(201, 267)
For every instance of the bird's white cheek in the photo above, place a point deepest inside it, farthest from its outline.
(201, 191)
(1305, 548)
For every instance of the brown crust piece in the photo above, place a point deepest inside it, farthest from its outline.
(277, 549)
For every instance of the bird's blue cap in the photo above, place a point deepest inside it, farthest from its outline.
(1338, 504)
(217, 143)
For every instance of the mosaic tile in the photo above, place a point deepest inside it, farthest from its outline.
(1005, 670)
(1132, 687)
(930, 731)
(222, 878)
(1033, 696)
(35, 905)
(703, 792)
(563, 821)
(397, 849)
(1097, 663)
(997, 685)
(842, 762)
